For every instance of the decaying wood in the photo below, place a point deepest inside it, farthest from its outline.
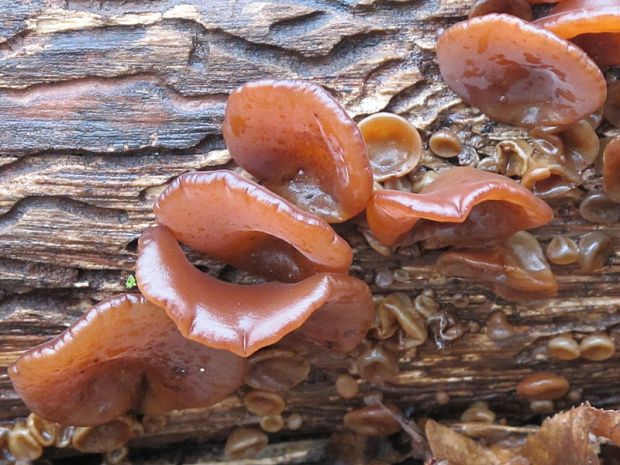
(103, 103)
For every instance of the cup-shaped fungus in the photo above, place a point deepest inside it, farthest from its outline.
(594, 25)
(333, 310)
(515, 269)
(563, 347)
(562, 250)
(518, 73)
(104, 438)
(518, 8)
(550, 180)
(594, 250)
(395, 312)
(597, 347)
(243, 224)
(123, 354)
(374, 420)
(597, 207)
(445, 143)
(394, 145)
(245, 443)
(611, 169)
(462, 206)
(276, 370)
(299, 142)
(513, 157)
(263, 402)
(543, 386)
(377, 364)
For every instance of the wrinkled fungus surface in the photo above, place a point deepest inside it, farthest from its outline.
(299, 142)
(463, 206)
(243, 224)
(515, 270)
(518, 73)
(333, 310)
(123, 354)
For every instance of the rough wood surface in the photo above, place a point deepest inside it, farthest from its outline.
(103, 103)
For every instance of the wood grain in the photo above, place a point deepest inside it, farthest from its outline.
(103, 103)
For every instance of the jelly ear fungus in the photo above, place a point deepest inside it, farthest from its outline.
(123, 355)
(299, 142)
(243, 224)
(462, 206)
(518, 73)
(333, 310)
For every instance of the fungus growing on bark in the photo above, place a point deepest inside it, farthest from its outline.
(611, 169)
(276, 370)
(519, 73)
(594, 25)
(562, 250)
(518, 8)
(543, 386)
(243, 224)
(550, 180)
(515, 269)
(463, 206)
(333, 310)
(393, 143)
(319, 160)
(123, 354)
(373, 420)
(445, 143)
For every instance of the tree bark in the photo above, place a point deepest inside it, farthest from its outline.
(103, 103)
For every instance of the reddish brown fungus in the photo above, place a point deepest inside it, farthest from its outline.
(272, 423)
(513, 157)
(518, 73)
(594, 250)
(123, 354)
(394, 145)
(563, 347)
(373, 420)
(463, 206)
(243, 224)
(611, 110)
(346, 386)
(562, 250)
(518, 8)
(319, 162)
(445, 143)
(597, 347)
(377, 364)
(276, 370)
(550, 180)
(333, 310)
(594, 25)
(611, 169)
(596, 207)
(498, 327)
(543, 386)
(104, 438)
(515, 270)
(263, 402)
(478, 412)
(397, 311)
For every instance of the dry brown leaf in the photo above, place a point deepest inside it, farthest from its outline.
(564, 439)
(458, 449)
(605, 423)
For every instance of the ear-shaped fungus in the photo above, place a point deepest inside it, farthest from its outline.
(549, 179)
(594, 25)
(297, 140)
(611, 169)
(334, 310)
(462, 206)
(123, 354)
(518, 73)
(243, 224)
(516, 269)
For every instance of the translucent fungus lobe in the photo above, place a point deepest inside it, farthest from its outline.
(463, 206)
(518, 73)
(299, 142)
(243, 224)
(123, 354)
(334, 310)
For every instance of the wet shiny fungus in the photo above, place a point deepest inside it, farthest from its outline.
(498, 327)
(594, 250)
(23, 445)
(518, 8)
(243, 224)
(597, 207)
(276, 370)
(478, 412)
(272, 423)
(543, 386)
(445, 143)
(397, 311)
(243, 443)
(394, 145)
(562, 250)
(44, 431)
(103, 438)
(373, 420)
(563, 347)
(513, 157)
(594, 25)
(462, 206)
(332, 310)
(597, 347)
(611, 169)
(346, 386)
(263, 402)
(319, 162)
(580, 145)
(549, 179)
(515, 269)
(123, 354)
(519, 73)
(377, 364)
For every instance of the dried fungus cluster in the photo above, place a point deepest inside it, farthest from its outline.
(190, 340)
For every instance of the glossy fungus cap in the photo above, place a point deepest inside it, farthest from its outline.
(123, 354)
(334, 310)
(243, 224)
(519, 73)
(299, 142)
(462, 206)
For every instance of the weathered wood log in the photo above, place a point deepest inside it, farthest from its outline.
(103, 103)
